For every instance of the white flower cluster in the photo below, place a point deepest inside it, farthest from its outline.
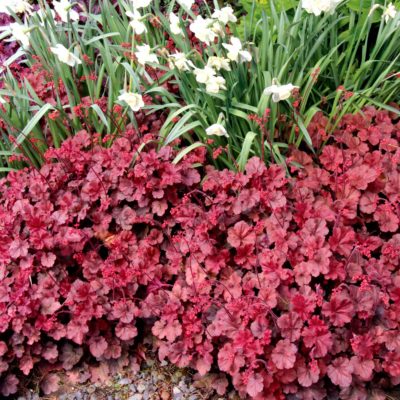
(21, 32)
(317, 7)
(16, 6)
(206, 31)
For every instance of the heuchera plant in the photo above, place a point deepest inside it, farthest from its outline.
(281, 286)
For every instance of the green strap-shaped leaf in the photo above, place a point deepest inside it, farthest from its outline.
(244, 153)
(32, 123)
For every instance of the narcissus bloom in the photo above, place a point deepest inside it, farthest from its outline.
(186, 3)
(180, 61)
(235, 52)
(175, 24)
(202, 29)
(140, 3)
(208, 76)
(317, 7)
(65, 56)
(16, 6)
(389, 12)
(134, 100)
(137, 25)
(219, 63)
(20, 32)
(224, 15)
(280, 92)
(217, 130)
(204, 75)
(215, 84)
(144, 56)
(64, 8)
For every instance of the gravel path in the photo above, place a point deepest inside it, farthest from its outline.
(155, 381)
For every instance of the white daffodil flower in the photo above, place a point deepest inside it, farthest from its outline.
(175, 24)
(207, 75)
(134, 100)
(279, 92)
(219, 63)
(215, 84)
(224, 15)
(2, 100)
(16, 6)
(235, 52)
(317, 7)
(64, 9)
(65, 56)
(204, 75)
(218, 28)
(186, 3)
(20, 32)
(180, 61)
(140, 3)
(217, 130)
(135, 22)
(201, 29)
(144, 56)
(389, 12)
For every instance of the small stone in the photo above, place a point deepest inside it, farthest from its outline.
(124, 381)
(141, 388)
(77, 396)
(91, 389)
(136, 396)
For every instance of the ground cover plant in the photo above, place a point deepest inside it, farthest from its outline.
(189, 61)
(284, 286)
(218, 184)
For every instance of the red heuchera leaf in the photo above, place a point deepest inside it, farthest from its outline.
(318, 337)
(167, 329)
(331, 158)
(70, 356)
(308, 374)
(368, 202)
(290, 325)
(392, 363)
(126, 332)
(9, 385)
(339, 309)
(387, 219)
(284, 354)
(48, 259)
(228, 360)
(240, 235)
(26, 364)
(340, 372)
(50, 384)
(361, 176)
(98, 345)
(363, 368)
(255, 385)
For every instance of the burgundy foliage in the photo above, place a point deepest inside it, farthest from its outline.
(282, 286)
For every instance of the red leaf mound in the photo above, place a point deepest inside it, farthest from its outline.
(286, 287)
